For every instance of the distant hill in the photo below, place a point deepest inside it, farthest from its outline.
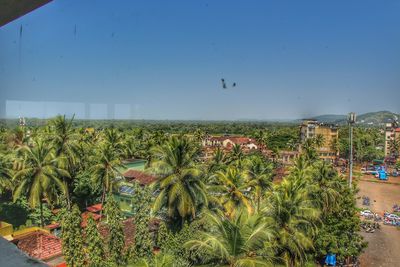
(371, 118)
(377, 117)
(330, 118)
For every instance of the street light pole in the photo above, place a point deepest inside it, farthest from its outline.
(351, 121)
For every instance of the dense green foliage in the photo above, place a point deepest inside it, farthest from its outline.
(143, 244)
(72, 238)
(115, 239)
(94, 244)
(227, 210)
(368, 143)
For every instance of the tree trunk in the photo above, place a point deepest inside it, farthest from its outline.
(41, 215)
(103, 195)
(67, 196)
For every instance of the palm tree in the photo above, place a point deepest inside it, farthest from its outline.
(259, 177)
(236, 155)
(130, 147)
(301, 168)
(217, 162)
(63, 137)
(160, 260)
(199, 135)
(261, 137)
(324, 186)
(17, 138)
(232, 189)
(309, 150)
(239, 241)
(295, 219)
(114, 139)
(106, 168)
(319, 140)
(64, 141)
(5, 173)
(40, 176)
(179, 182)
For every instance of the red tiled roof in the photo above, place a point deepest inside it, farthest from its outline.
(218, 138)
(95, 208)
(397, 130)
(240, 140)
(52, 226)
(139, 176)
(39, 244)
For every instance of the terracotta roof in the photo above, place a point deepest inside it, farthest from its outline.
(53, 226)
(95, 208)
(39, 244)
(397, 130)
(240, 140)
(139, 176)
(218, 138)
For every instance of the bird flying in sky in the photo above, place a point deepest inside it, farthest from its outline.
(223, 83)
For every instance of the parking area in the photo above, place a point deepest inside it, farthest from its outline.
(384, 244)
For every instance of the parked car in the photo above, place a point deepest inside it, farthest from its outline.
(393, 217)
(366, 213)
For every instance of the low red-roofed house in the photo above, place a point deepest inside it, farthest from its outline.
(41, 245)
(139, 176)
(95, 208)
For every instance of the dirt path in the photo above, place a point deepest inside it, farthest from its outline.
(384, 245)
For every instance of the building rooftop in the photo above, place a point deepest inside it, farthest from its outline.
(139, 176)
(95, 208)
(39, 244)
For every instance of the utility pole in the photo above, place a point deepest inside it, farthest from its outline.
(351, 120)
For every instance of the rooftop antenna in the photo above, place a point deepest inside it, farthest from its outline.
(21, 121)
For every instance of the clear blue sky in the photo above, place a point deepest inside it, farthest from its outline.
(164, 59)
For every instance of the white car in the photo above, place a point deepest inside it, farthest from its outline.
(392, 217)
(366, 213)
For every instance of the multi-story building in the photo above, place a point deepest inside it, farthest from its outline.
(312, 128)
(392, 132)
